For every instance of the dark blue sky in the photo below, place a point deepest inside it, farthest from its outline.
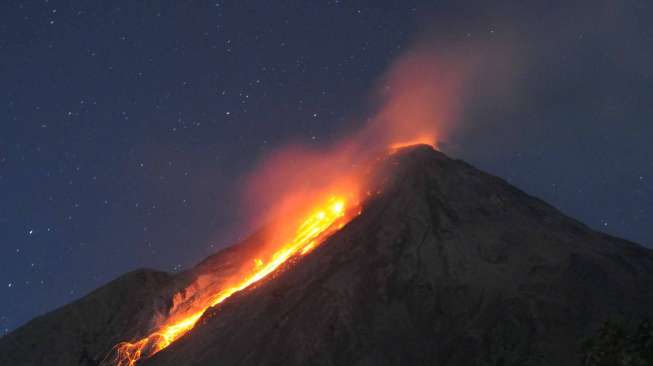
(125, 127)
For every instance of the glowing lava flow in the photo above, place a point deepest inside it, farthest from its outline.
(322, 222)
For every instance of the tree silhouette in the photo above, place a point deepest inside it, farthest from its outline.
(615, 345)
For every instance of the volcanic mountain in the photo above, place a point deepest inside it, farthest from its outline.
(444, 265)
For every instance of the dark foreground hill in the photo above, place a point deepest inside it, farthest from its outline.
(447, 266)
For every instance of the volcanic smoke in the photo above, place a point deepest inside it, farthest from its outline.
(306, 194)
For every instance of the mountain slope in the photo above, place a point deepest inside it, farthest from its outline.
(83, 332)
(80, 333)
(448, 266)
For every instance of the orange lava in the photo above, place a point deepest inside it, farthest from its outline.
(420, 140)
(320, 223)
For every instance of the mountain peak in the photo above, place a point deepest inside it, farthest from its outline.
(444, 265)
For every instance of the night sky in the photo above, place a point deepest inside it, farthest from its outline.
(125, 126)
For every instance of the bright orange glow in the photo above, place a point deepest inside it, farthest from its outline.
(321, 222)
(421, 140)
(309, 192)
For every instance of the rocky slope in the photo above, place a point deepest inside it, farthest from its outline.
(84, 332)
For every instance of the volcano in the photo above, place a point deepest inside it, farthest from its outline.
(442, 265)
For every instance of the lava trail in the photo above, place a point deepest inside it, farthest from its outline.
(321, 222)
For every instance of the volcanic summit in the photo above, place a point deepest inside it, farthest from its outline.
(442, 264)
